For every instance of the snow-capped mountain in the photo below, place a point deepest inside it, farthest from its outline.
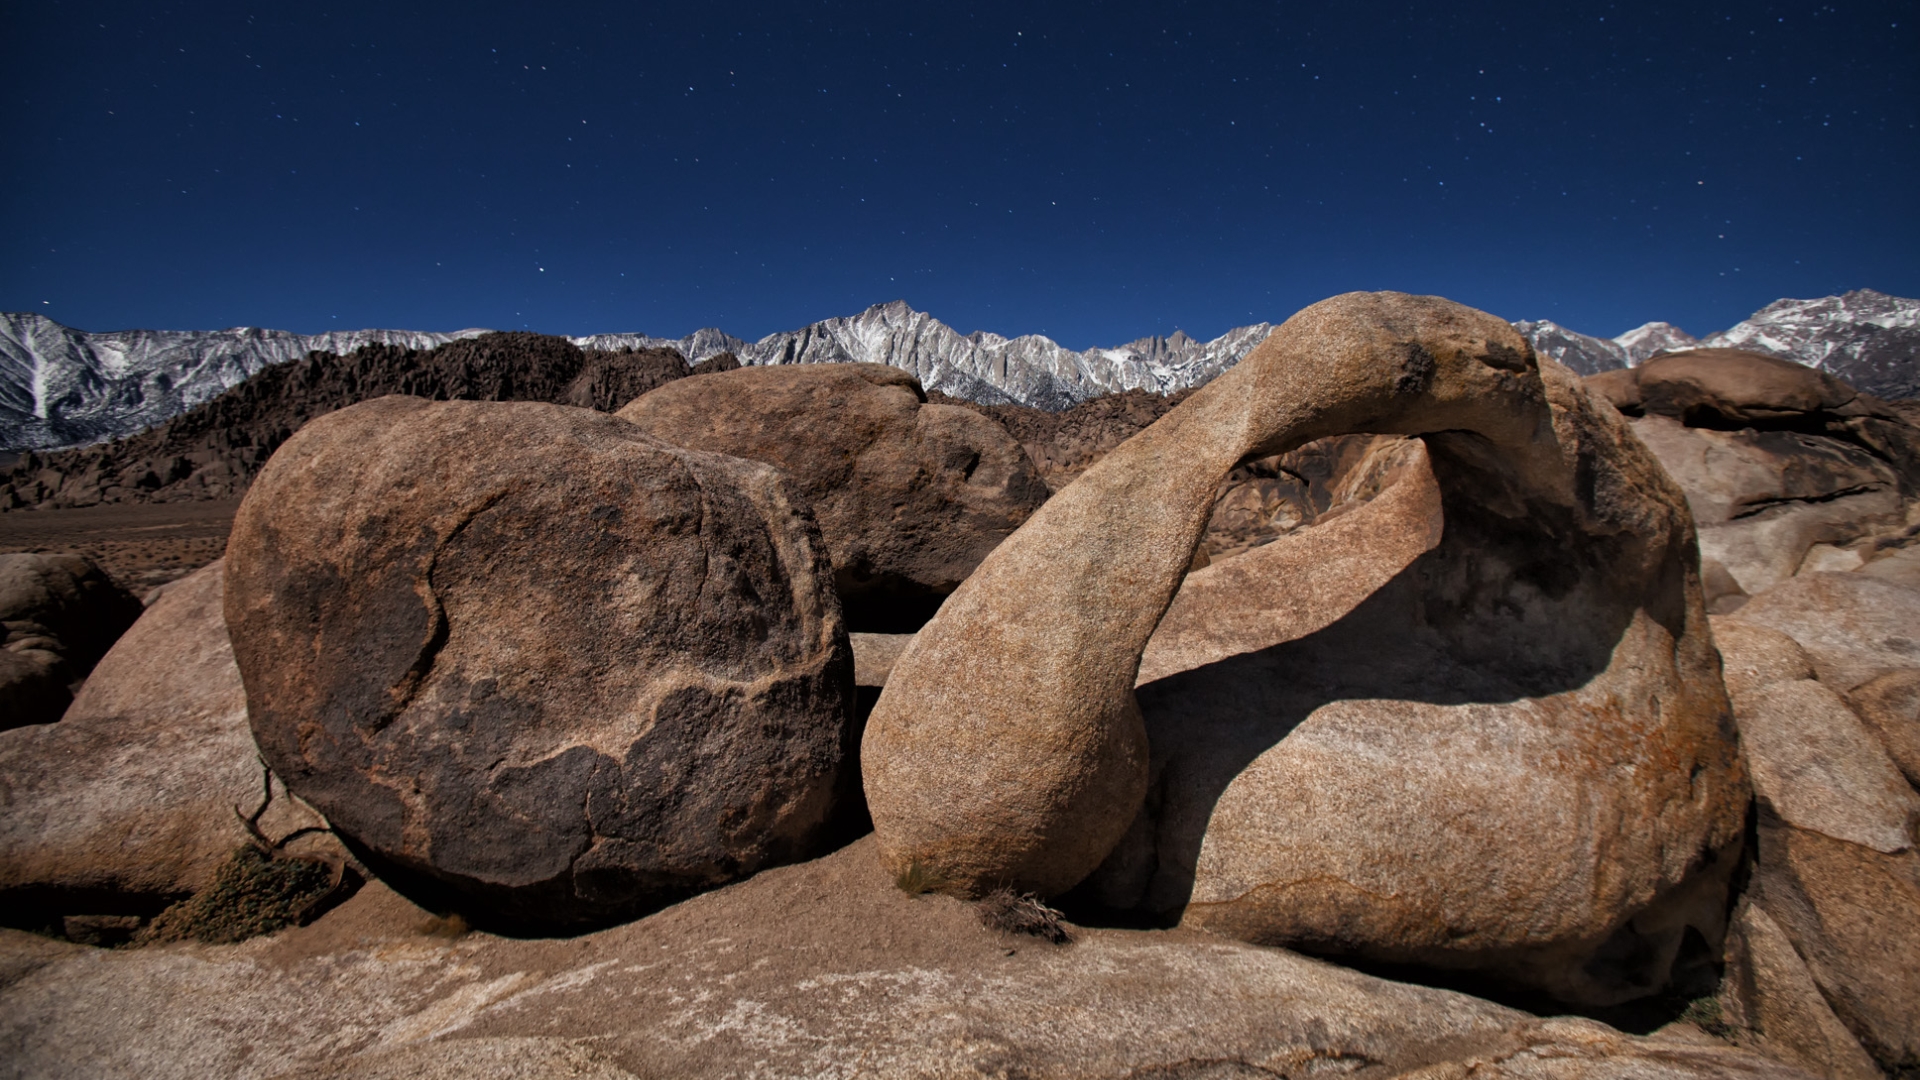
(1866, 338)
(1588, 355)
(62, 387)
(1028, 370)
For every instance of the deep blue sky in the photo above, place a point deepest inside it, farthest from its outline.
(1094, 172)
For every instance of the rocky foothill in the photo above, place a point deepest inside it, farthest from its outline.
(1399, 703)
(214, 450)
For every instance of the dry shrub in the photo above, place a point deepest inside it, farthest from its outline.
(1021, 913)
(253, 893)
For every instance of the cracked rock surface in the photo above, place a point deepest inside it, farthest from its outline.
(535, 663)
(821, 970)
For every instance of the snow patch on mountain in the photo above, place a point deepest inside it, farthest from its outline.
(61, 387)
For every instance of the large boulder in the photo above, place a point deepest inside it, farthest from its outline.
(1890, 705)
(127, 804)
(1820, 768)
(59, 614)
(1837, 875)
(909, 496)
(1768, 993)
(818, 970)
(1778, 460)
(532, 660)
(1514, 755)
(1853, 914)
(1855, 626)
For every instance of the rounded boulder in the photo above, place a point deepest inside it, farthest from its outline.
(536, 664)
(910, 496)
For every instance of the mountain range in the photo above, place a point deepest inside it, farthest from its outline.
(65, 387)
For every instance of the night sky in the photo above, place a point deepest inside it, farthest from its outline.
(1093, 172)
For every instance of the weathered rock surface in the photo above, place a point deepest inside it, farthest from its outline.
(874, 656)
(818, 970)
(558, 683)
(1753, 657)
(1730, 388)
(127, 803)
(1853, 914)
(1819, 767)
(1768, 992)
(59, 614)
(1778, 461)
(1351, 555)
(1854, 626)
(1890, 705)
(1514, 756)
(909, 496)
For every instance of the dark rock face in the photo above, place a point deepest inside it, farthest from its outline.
(59, 614)
(214, 450)
(1064, 444)
(557, 684)
(909, 496)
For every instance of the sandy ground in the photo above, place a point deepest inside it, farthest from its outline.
(142, 545)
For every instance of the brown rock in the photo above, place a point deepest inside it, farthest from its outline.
(608, 380)
(1351, 556)
(128, 803)
(1854, 626)
(1819, 768)
(1853, 914)
(59, 615)
(1769, 992)
(1730, 388)
(819, 970)
(1890, 705)
(1762, 499)
(1327, 777)
(909, 496)
(1900, 566)
(1754, 657)
(874, 656)
(559, 683)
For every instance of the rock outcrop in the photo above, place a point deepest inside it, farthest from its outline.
(1834, 901)
(818, 970)
(127, 804)
(59, 615)
(214, 450)
(909, 496)
(1779, 462)
(1540, 685)
(536, 662)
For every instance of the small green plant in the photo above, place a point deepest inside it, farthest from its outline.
(261, 888)
(251, 894)
(1012, 912)
(1705, 1013)
(919, 878)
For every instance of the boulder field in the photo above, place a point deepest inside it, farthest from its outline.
(1389, 648)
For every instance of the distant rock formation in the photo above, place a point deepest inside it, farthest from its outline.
(214, 450)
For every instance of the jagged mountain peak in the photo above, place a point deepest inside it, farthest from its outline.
(60, 386)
